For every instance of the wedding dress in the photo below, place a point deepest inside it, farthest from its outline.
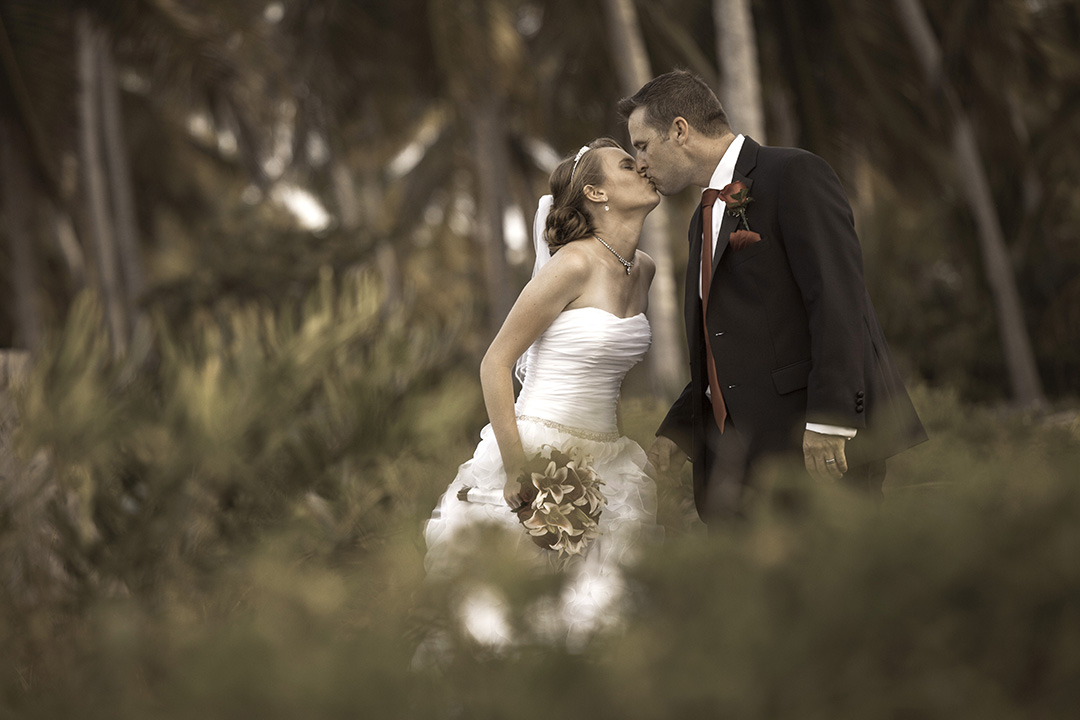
(568, 400)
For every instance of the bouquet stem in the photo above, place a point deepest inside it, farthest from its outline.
(481, 495)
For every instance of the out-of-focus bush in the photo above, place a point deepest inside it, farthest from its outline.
(958, 597)
(146, 476)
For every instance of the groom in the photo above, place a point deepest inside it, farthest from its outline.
(786, 354)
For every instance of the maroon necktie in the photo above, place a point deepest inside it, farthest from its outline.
(707, 200)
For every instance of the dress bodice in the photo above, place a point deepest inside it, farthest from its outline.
(575, 369)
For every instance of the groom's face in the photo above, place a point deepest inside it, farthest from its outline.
(657, 156)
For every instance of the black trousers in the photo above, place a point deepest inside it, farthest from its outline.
(733, 459)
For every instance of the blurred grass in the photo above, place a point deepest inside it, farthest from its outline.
(233, 530)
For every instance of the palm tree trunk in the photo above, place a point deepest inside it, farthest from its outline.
(17, 209)
(92, 166)
(1016, 343)
(736, 50)
(665, 363)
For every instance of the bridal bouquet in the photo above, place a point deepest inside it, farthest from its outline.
(565, 500)
(565, 504)
(564, 513)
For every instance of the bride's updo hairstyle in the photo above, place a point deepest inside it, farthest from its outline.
(569, 218)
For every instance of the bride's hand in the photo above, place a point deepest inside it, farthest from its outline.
(512, 494)
(517, 498)
(514, 464)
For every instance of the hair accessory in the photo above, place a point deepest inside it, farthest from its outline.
(577, 158)
(543, 255)
(543, 252)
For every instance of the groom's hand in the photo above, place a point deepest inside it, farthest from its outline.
(665, 456)
(824, 455)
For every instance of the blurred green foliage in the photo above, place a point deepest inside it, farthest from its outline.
(229, 525)
(143, 478)
(226, 522)
(371, 107)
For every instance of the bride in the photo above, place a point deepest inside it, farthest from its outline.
(580, 325)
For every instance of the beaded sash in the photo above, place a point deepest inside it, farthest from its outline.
(576, 432)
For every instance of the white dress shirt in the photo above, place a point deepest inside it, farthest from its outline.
(721, 177)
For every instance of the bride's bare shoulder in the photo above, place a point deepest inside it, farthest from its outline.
(571, 259)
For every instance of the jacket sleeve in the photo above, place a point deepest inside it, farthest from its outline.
(826, 261)
(679, 423)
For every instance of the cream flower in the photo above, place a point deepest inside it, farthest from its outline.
(568, 500)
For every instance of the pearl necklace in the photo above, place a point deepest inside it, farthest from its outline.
(629, 265)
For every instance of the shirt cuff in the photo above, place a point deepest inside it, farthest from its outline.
(832, 430)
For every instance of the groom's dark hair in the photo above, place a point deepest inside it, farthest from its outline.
(679, 93)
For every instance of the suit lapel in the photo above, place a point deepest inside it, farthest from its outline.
(727, 226)
(743, 167)
(693, 277)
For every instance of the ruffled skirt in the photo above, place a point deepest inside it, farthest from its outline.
(595, 587)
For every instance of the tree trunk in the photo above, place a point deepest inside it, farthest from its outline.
(17, 203)
(808, 106)
(21, 107)
(92, 166)
(1016, 343)
(119, 174)
(740, 79)
(14, 367)
(66, 241)
(480, 51)
(367, 199)
(665, 362)
(345, 195)
(785, 123)
(491, 160)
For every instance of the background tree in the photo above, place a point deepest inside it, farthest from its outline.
(633, 69)
(235, 504)
(233, 116)
(737, 58)
(18, 210)
(971, 176)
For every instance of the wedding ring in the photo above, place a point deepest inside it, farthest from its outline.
(830, 461)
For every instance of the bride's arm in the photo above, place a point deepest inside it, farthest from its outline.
(557, 285)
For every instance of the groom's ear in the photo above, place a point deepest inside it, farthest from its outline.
(680, 130)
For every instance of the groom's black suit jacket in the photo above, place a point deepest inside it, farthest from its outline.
(792, 328)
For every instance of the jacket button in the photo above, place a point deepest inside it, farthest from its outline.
(860, 395)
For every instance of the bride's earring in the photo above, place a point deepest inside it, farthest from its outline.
(606, 208)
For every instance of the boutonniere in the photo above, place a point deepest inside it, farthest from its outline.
(736, 197)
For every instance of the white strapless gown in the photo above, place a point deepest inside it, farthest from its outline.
(568, 399)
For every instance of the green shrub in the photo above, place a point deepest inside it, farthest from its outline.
(272, 566)
(145, 477)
